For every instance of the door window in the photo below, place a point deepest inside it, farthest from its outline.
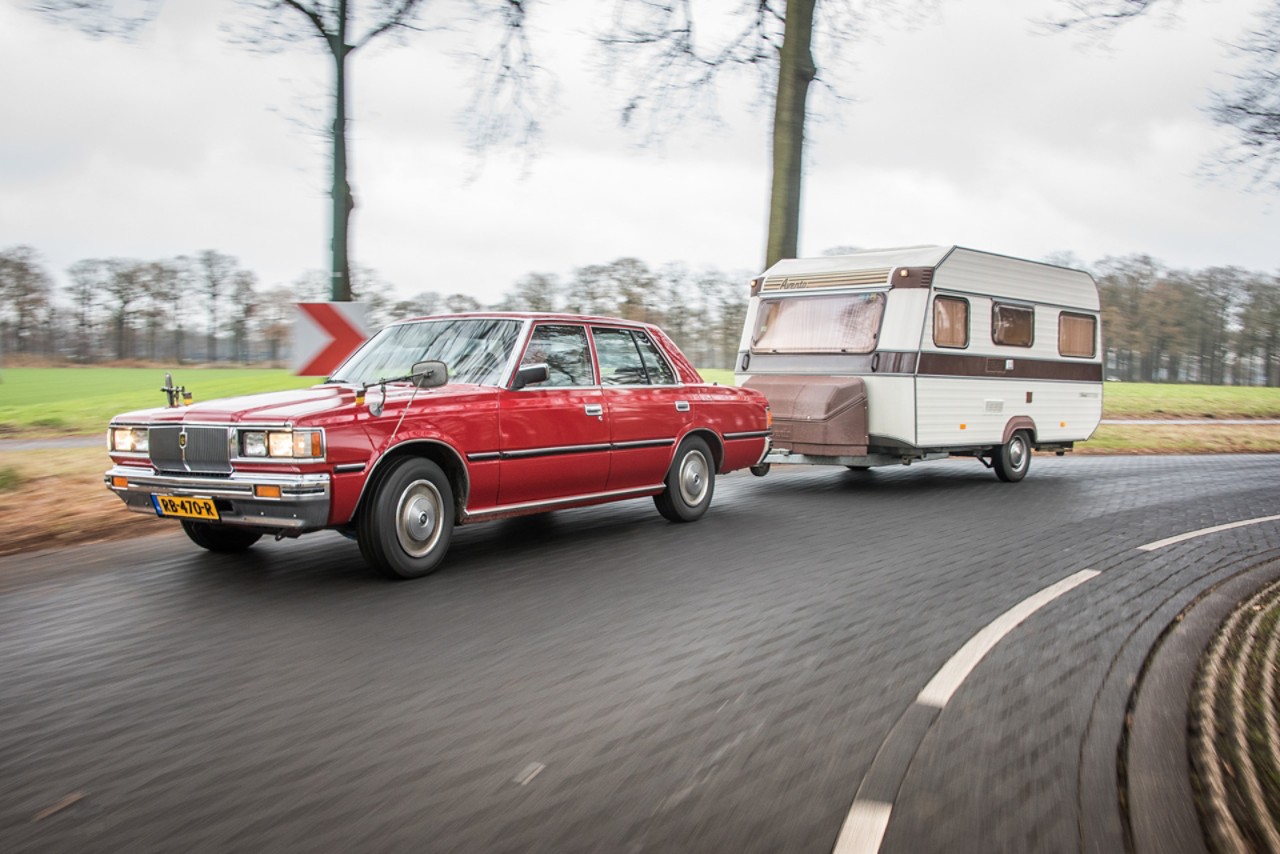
(629, 357)
(563, 349)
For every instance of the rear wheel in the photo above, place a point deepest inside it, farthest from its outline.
(405, 529)
(1011, 460)
(223, 539)
(690, 482)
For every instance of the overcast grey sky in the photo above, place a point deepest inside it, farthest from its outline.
(971, 127)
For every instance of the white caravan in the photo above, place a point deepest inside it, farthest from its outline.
(889, 356)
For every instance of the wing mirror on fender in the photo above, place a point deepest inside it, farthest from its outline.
(529, 374)
(430, 374)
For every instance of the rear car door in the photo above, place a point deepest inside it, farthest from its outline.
(555, 437)
(647, 410)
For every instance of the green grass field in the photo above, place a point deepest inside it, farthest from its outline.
(66, 401)
(70, 401)
(1156, 400)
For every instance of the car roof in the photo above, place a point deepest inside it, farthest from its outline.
(530, 315)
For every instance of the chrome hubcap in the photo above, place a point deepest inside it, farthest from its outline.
(418, 518)
(1017, 452)
(693, 478)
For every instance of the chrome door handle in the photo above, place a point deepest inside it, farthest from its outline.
(682, 406)
(594, 409)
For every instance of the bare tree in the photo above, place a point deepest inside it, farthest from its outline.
(216, 271)
(534, 292)
(507, 81)
(125, 285)
(25, 290)
(274, 320)
(244, 303)
(88, 283)
(1251, 108)
(683, 64)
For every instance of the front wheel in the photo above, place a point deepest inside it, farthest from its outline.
(220, 538)
(690, 482)
(1011, 460)
(405, 529)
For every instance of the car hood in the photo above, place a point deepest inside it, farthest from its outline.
(268, 407)
(290, 407)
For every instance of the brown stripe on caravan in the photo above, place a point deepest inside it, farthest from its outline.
(956, 365)
(815, 281)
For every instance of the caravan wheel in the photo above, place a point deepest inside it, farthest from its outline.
(1012, 460)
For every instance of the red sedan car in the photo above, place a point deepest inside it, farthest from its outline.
(442, 421)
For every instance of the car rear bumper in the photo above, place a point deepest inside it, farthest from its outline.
(302, 505)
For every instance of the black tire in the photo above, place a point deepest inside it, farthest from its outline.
(405, 527)
(223, 539)
(1012, 459)
(691, 481)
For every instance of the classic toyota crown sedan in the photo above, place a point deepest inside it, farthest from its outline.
(441, 421)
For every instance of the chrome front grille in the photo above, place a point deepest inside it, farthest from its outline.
(197, 450)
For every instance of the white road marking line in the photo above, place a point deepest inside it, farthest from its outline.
(953, 673)
(1159, 544)
(533, 769)
(864, 828)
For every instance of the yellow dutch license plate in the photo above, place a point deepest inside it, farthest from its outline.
(185, 508)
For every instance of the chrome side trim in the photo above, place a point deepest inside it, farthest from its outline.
(643, 443)
(553, 451)
(754, 434)
(564, 502)
(347, 468)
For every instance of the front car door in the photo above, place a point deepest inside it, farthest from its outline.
(555, 437)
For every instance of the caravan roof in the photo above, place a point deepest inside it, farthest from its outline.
(954, 268)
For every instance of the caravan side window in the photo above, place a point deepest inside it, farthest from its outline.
(1013, 325)
(1077, 335)
(838, 323)
(950, 322)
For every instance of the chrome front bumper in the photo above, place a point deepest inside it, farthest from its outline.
(303, 503)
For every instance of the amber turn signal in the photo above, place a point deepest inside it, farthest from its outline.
(263, 491)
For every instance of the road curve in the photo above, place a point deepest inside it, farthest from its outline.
(601, 680)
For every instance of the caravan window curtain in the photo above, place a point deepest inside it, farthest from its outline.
(950, 322)
(835, 323)
(1077, 335)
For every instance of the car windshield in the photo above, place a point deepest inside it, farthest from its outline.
(476, 349)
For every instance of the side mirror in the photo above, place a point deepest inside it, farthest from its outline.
(430, 374)
(529, 374)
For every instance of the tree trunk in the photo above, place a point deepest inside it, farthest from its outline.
(796, 71)
(341, 192)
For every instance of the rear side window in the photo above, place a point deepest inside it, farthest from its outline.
(564, 350)
(1077, 335)
(950, 322)
(1013, 325)
(660, 373)
(839, 323)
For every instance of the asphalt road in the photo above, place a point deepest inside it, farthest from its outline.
(601, 680)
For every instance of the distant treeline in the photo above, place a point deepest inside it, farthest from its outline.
(1220, 325)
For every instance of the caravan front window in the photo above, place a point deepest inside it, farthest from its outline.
(832, 323)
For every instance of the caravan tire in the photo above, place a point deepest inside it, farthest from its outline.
(1011, 460)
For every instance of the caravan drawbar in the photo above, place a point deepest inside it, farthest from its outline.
(891, 356)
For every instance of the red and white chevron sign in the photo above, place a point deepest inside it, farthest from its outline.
(325, 333)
